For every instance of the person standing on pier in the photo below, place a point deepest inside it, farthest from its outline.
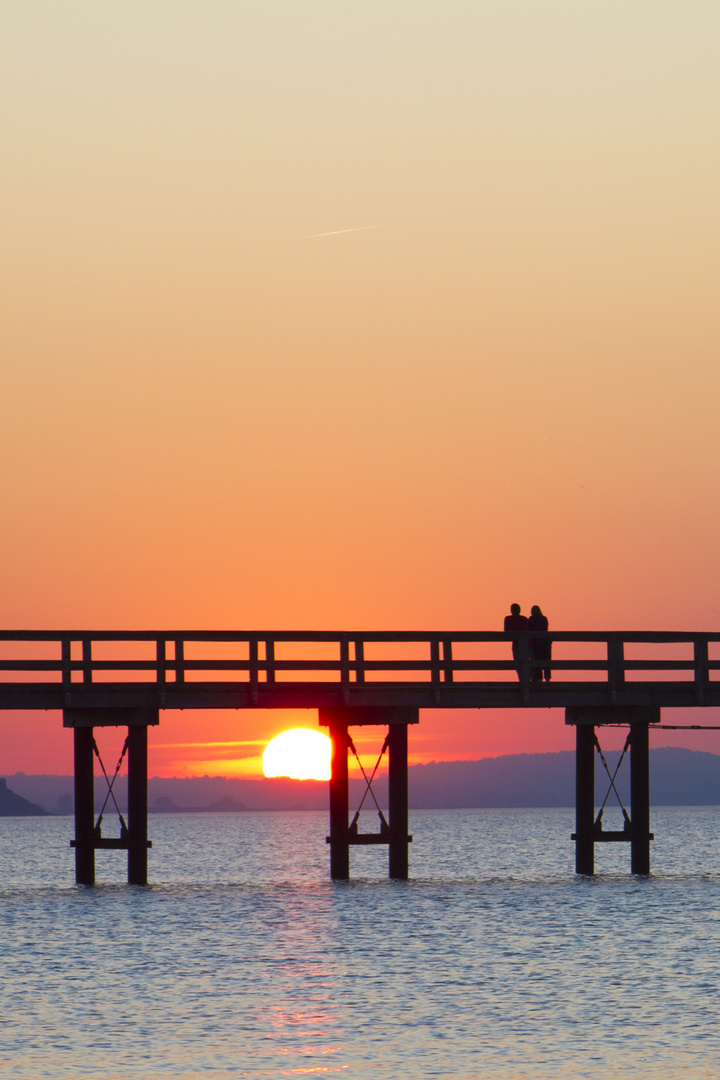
(540, 647)
(515, 621)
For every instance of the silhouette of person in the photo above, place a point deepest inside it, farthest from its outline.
(515, 621)
(540, 647)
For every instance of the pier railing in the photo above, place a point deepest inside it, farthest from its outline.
(226, 669)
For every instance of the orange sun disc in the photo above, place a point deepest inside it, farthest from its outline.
(300, 754)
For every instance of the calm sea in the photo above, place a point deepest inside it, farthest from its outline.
(243, 959)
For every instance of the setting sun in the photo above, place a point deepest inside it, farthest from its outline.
(300, 754)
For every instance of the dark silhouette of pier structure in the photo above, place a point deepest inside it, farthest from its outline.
(383, 679)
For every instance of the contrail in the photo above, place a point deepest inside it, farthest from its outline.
(339, 232)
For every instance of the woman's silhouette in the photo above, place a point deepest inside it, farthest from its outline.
(540, 647)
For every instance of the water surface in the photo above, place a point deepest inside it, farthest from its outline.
(243, 959)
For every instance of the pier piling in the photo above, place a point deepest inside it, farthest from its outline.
(394, 832)
(584, 799)
(84, 807)
(88, 833)
(339, 803)
(137, 805)
(398, 800)
(589, 829)
(640, 798)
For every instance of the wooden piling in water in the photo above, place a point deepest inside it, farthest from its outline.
(640, 798)
(137, 805)
(133, 838)
(84, 806)
(398, 800)
(584, 799)
(339, 803)
(394, 832)
(588, 830)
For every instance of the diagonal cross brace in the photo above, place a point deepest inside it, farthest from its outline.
(611, 777)
(368, 784)
(110, 783)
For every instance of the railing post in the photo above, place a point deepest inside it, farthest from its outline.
(253, 666)
(524, 667)
(179, 660)
(65, 659)
(270, 661)
(702, 669)
(161, 660)
(435, 668)
(345, 669)
(87, 660)
(447, 660)
(359, 661)
(616, 666)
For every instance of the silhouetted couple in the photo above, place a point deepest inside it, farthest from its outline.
(540, 647)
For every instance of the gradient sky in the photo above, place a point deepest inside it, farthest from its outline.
(495, 379)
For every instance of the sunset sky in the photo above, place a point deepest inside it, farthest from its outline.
(357, 314)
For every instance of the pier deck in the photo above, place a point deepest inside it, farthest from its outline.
(227, 670)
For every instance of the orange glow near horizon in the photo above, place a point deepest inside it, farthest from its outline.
(36, 743)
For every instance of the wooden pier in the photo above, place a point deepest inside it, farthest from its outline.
(125, 679)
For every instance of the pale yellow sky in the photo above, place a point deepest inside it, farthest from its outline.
(500, 385)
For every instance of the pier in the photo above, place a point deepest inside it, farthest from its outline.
(381, 679)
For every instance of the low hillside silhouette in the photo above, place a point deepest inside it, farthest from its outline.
(12, 805)
(678, 777)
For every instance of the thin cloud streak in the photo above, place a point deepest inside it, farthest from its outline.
(341, 232)
(186, 745)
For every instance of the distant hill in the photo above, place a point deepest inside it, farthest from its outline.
(12, 805)
(677, 778)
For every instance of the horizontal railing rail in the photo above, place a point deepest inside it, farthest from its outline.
(174, 657)
(382, 636)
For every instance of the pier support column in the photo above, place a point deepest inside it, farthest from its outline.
(137, 805)
(637, 826)
(339, 803)
(585, 799)
(640, 799)
(398, 800)
(393, 832)
(88, 835)
(84, 807)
